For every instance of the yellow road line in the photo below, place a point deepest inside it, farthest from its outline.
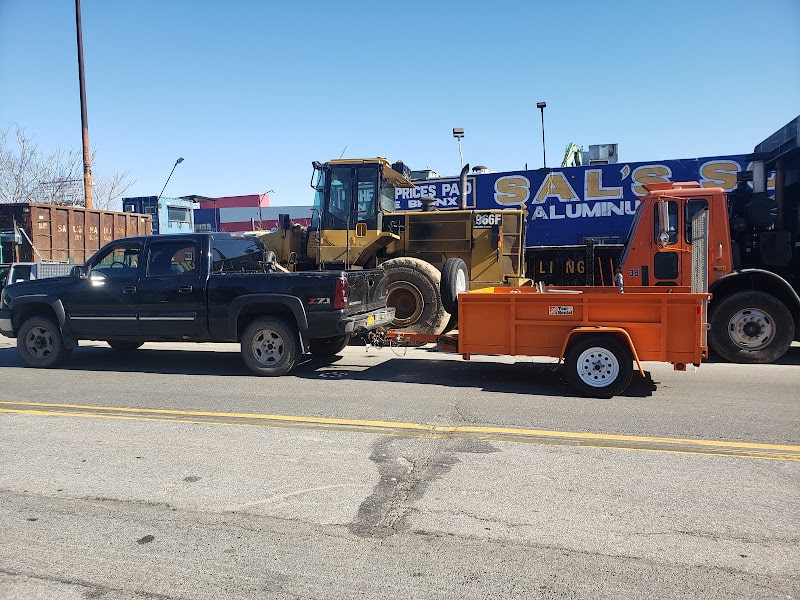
(628, 442)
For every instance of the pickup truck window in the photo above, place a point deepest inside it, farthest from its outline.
(172, 258)
(239, 255)
(119, 261)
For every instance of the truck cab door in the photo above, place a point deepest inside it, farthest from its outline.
(665, 262)
(171, 290)
(103, 303)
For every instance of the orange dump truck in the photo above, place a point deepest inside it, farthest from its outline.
(599, 332)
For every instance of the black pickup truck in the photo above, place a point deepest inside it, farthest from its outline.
(204, 287)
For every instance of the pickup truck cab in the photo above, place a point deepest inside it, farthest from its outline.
(202, 287)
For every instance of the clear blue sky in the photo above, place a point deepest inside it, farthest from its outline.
(250, 92)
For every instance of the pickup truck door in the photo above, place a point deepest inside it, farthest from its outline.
(104, 303)
(171, 290)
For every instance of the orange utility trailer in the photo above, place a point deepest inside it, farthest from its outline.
(599, 332)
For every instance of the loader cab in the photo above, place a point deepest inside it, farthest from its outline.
(350, 198)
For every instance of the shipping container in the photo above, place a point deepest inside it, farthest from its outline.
(70, 234)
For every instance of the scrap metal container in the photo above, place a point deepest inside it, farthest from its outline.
(64, 233)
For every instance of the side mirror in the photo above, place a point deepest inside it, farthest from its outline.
(78, 271)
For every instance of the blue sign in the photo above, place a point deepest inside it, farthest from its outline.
(566, 206)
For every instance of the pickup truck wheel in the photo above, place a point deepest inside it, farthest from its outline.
(329, 346)
(751, 327)
(40, 344)
(599, 366)
(455, 279)
(124, 345)
(412, 289)
(269, 347)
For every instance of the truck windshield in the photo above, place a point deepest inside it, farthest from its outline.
(636, 217)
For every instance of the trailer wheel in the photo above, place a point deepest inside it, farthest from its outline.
(269, 347)
(599, 366)
(412, 289)
(124, 345)
(455, 279)
(751, 327)
(40, 343)
(329, 346)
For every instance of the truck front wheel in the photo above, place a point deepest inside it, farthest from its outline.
(599, 366)
(269, 347)
(751, 327)
(40, 344)
(412, 289)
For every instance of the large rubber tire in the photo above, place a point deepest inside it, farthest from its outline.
(329, 346)
(750, 327)
(412, 289)
(455, 279)
(599, 366)
(40, 343)
(124, 345)
(270, 346)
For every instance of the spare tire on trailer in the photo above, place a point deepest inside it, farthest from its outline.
(455, 279)
(412, 289)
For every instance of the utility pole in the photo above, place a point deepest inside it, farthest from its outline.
(87, 157)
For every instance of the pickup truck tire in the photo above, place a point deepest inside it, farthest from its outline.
(329, 346)
(455, 279)
(40, 344)
(751, 327)
(412, 289)
(124, 345)
(270, 347)
(599, 366)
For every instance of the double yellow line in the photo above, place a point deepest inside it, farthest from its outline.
(510, 434)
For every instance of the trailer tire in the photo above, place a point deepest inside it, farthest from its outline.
(599, 365)
(751, 327)
(329, 346)
(40, 343)
(455, 279)
(270, 346)
(412, 289)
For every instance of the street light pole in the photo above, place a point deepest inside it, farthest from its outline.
(541, 106)
(177, 162)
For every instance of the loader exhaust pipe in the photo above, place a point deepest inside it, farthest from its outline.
(462, 189)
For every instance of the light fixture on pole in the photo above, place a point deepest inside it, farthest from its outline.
(541, 106)
(177, 162)
(458, 133)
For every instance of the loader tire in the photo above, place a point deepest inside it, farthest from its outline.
(750, 327)
(412, 289)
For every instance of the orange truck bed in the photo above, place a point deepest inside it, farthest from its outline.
(598, 331)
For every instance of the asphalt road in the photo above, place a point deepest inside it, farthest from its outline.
(171, 472)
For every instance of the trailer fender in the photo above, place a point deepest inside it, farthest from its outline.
(618, 332)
